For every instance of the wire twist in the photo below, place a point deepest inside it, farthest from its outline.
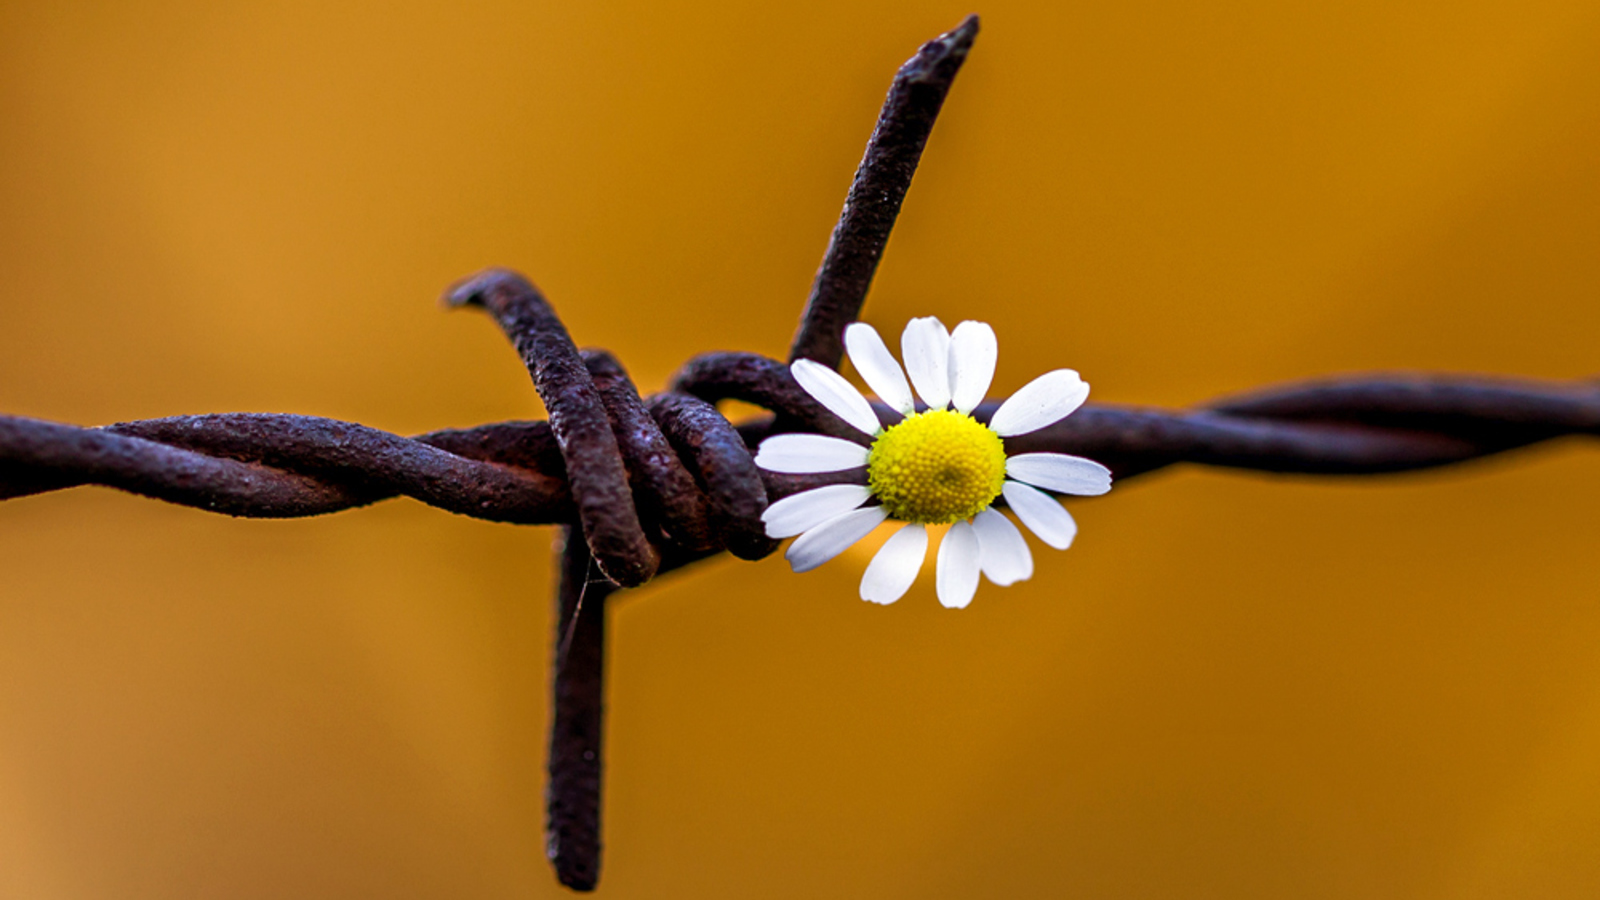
(682, 475)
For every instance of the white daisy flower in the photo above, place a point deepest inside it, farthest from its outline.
(937, 467)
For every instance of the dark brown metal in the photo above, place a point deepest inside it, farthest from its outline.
(38, 456)
(275, 466)
(595, 471)
(722, 466)
(577, 716)
(880, 185)
(663, 488)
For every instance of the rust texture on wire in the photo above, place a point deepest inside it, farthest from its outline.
(882, 179)
(280, 466)
(642, 486)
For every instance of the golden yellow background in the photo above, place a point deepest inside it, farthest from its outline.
(1233, 686)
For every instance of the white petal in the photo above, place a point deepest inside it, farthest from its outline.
(1041, 513)
(808, 509)
(838, 395)
(1060, 473)
(957, 577)
(877, 367)
(1042, 401)
(1002, 553)
(804, 454)
(833, 537)
(973, 351)
(925, 346)
(895, 565)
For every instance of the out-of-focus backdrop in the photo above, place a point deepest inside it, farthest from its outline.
(1233, 686)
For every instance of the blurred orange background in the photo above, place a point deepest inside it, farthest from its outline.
(1234, 685)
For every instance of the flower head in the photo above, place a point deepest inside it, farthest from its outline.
(940, 466)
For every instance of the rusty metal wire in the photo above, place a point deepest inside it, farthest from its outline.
(280, 466)
(652, 484)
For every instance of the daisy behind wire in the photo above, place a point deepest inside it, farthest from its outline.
(936, 467)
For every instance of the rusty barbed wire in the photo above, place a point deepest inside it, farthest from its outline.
(645, 485)
(265, 465)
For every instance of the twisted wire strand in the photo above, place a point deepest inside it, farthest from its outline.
(266, 465)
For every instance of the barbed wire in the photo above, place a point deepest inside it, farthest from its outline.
(264, 465)
(644, 485)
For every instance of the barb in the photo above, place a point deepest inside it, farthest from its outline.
(582, 425)
(577, 718)
(880, 186)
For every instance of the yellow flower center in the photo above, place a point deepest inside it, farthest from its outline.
(936, 467)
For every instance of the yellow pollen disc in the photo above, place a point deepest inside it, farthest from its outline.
(936, 467)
